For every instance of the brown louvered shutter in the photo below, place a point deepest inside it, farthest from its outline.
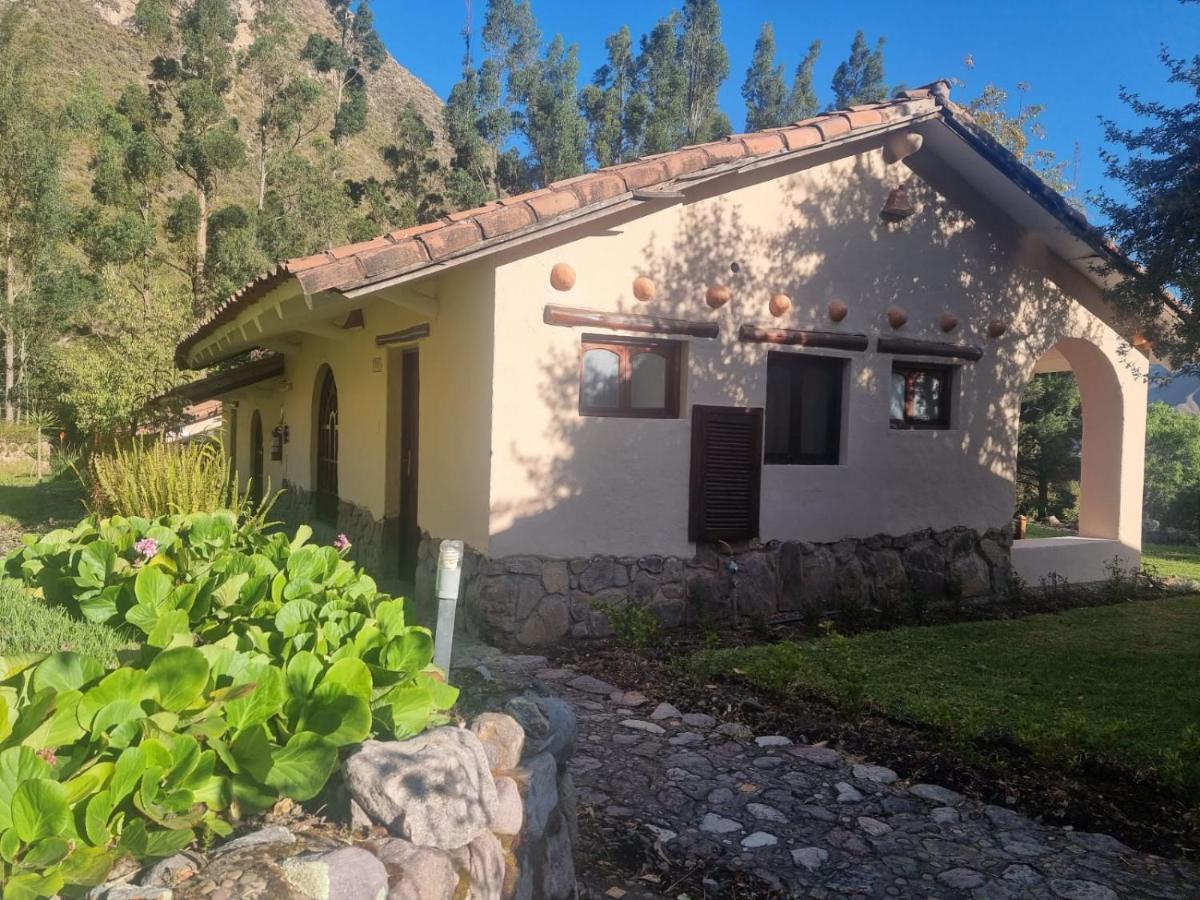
(726, 473)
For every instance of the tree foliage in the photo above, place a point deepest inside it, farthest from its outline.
(1172, 485)
(1048, 446)
(859, 78)
(765, 88)
(1158, 225)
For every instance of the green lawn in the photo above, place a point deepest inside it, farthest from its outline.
(1169, 559)
(26, 505)
(1119, 684)
(30, 626)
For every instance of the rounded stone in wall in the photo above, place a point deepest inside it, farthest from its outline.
(644, 288)
(562, 277)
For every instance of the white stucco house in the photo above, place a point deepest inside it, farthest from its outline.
(802, 349)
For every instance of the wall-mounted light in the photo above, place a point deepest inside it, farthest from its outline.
(280, 435)
(898, 207)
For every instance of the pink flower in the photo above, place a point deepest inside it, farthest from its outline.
(341, 543)
(48, 754)
(147, 547)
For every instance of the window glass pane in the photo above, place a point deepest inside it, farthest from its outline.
(649, 381)
(778, 426)
(927, 392)
(899, 385)
(803, 414)
(601, 379)
(817, 394)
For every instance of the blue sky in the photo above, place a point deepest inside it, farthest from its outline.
(1074, 54)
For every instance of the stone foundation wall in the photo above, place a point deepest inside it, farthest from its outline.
(531, 600)
(297, 506)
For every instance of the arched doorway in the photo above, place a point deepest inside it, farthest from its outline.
(326, 481)
(256, 459)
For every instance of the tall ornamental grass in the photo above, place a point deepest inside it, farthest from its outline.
(151, 479)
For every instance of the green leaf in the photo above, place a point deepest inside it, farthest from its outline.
(89, 781)
(265, 701)
(86, 866)
(252, 752)
(177, 677)
(39, 809)
(152, 587)
(352, 674)
(32, 886)
(119, 684)
(10, 845)
(342, 718)
(61, 727)
(127, 773)
(167, 843)
(411, 706)
(303, 672)
(300, 769)
(169, 624)
(121, 719)
(409, 653)
(293, 616)
(17, 765)
(102, 606)
(66, 671)
(444, 695)
(45, 853)
(96, 816)
(303, 533)
(96, 563)
(16, 663)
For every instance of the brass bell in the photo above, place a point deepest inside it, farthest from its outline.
(898, 207)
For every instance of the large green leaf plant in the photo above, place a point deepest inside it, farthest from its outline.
(261, 658)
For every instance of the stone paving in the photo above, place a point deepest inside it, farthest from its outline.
(810, 822)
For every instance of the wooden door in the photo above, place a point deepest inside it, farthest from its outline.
(726, 477)
(327, 450)
(256, 459)
(410, 416)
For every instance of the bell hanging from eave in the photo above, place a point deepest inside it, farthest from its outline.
(898, 207)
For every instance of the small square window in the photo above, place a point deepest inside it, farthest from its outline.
(920, 395)
(804, 409)
(631, 377)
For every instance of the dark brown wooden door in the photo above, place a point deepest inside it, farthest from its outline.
(327, 449)
(256, 459)
(410, 416)
(726, 473)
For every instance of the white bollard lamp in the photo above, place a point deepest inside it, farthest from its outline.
(449, 579)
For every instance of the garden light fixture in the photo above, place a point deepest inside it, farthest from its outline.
(449, 575)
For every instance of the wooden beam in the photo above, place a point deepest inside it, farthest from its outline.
(832, 340)
(913, 347)
(410, 299)
(568, 317)
(403, 336)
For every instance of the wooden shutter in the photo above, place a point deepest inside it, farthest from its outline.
(726, 473)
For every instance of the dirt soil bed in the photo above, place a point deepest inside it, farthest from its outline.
(1143, 814)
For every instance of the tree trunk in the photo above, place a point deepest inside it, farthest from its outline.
(10, 331)
(262, 178)
(201, 254)
(1043, 502)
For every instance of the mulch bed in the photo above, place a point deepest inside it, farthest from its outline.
(1146, 815)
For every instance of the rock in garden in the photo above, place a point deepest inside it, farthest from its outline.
(1077, 889)
(416, 873)
(273, 834)
(434, 789)
(825, 757)
(945, 815)
(537, 780)
(629, 698)
(549, 722)
(686, 739)
(847, 793)
(714, 824)
(877, 774)
(503, 739)
(665, 711)
(772, 740)
(811, 858)
(557, 865)
(120, 891)
(590, 685)
(735, 730)
(172, 870)
(348, 873)
(698, 720)
(936, 794)
(640, 725)
(510, 811)
(961, 879)
(762, 811)
(759, 839)
(483, 861)
(873, 827)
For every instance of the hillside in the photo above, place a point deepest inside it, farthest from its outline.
(95, 36)
(1182, 392)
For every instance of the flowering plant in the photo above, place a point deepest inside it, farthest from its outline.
(341, 544)
(147, 548)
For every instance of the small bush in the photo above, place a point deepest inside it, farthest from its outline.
(150, 479)
(632, 623)
(263, 657)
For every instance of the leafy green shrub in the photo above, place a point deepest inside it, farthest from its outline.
(263, 656)
(632, 623)
(155, 478)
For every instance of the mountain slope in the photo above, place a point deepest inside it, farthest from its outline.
(96, 36)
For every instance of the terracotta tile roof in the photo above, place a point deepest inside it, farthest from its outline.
(411, 249)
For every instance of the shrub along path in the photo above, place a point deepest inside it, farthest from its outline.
(674, 801)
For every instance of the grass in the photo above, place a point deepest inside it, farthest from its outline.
(1116, 684)
(1173, 559)
(26, 505)
(1034, 530)
(30, 626)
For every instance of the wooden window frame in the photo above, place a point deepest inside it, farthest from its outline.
(626, 348)
(945, 403)
(835, 410)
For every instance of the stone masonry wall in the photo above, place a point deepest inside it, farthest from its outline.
(530, 600)
(297, 506)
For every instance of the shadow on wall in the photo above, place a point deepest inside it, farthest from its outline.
(629, 476)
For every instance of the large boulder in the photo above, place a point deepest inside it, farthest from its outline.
(416, 873)
(538, 784)
(549, 722)
(348, 873)
(435, 789)
(503, 739)
(483, 863)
